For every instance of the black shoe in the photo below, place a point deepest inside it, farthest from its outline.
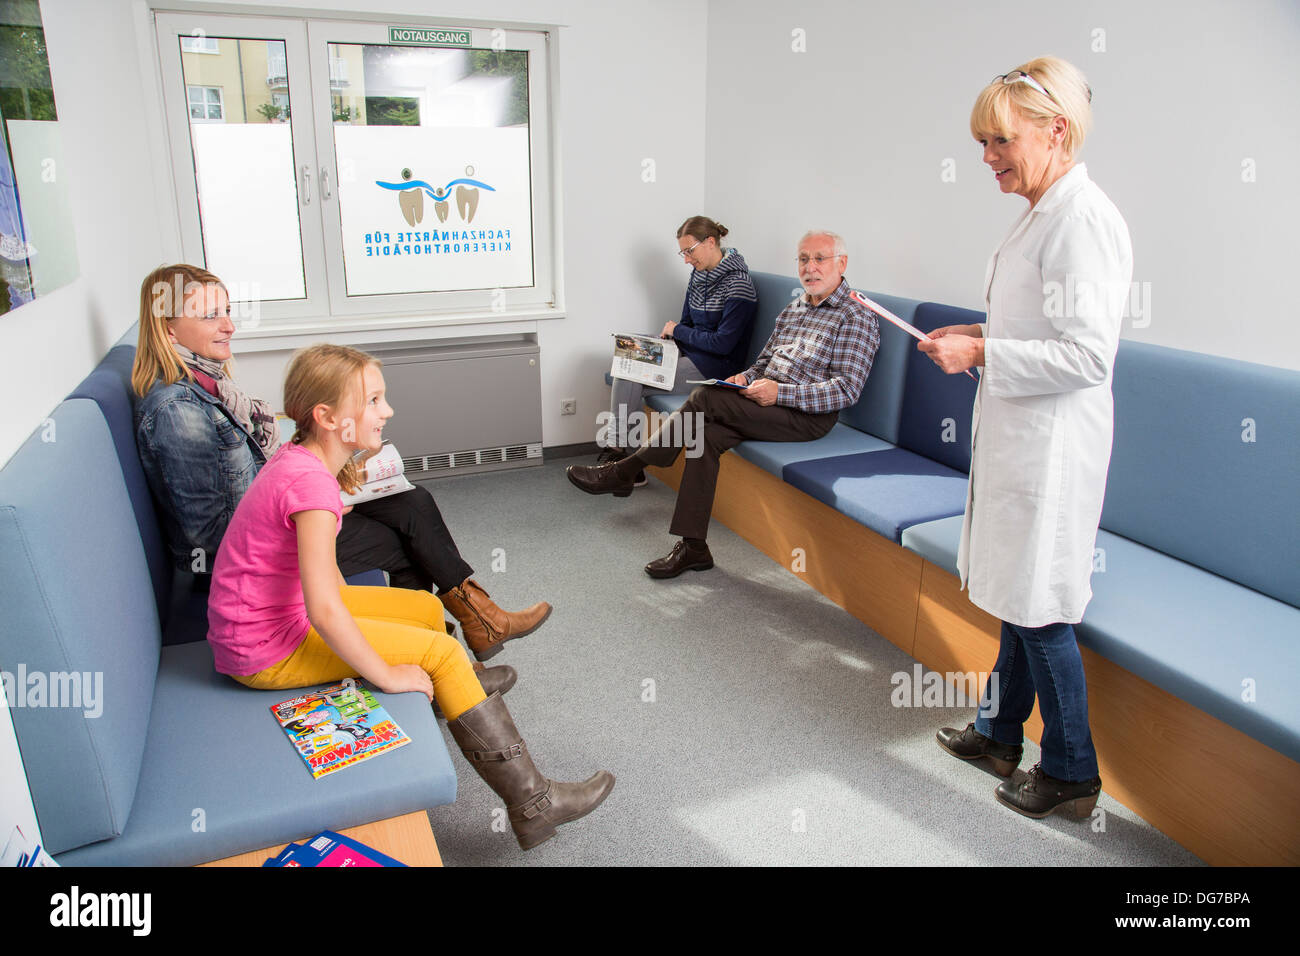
(639, 480)
(683, 557)
(1039, 794)
(599, 480)
(610, 455)
(970, 744)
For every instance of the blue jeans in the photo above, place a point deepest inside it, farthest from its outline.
(1043, 661)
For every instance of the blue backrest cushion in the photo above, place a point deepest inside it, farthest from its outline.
(1205, 464)
(774, 294)
(77, 600)
(936, 406)
(109, 386)
(879, 409)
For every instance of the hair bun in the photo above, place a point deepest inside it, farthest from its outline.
(722, 230)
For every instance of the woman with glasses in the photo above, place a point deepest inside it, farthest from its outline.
(712, 334)
(1054, 292)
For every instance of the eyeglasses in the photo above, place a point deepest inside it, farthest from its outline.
(1020, 76)
(686, 252)
(817, 259)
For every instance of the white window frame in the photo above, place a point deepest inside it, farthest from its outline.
(200, 44)
(220, 104)
(326, 306)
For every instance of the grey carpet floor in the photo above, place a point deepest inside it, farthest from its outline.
(748, 719)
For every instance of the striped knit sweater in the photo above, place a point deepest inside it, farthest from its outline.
(718, 317)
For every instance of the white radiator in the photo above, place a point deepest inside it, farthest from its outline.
(463, 407)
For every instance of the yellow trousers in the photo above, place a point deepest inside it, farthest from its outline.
(405, 627)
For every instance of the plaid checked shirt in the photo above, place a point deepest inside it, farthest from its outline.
(819, 355)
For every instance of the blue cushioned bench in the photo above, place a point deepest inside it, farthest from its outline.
(1197, 589)
(1197, 575)
(183, 765)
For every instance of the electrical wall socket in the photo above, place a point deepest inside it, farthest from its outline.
(568, 406)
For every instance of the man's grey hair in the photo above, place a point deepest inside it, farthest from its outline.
(834, 237)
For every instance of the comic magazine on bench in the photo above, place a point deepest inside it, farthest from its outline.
(338, 727)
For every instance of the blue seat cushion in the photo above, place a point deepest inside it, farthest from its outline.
(213, 746)
(1183, 480)
(937, 407)
(885, 490)
(841, 440)
(936, 541)
(1198, 636)
(77, 599)
(664, 401)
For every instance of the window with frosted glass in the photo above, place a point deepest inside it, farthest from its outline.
(435, 184)
(237, 90)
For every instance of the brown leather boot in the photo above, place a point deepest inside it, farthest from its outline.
(486, 626)
(535, 805)
(497, 680)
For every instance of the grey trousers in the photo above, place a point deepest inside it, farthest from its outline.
(626, 397)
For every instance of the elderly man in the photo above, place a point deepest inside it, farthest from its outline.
(813, 366)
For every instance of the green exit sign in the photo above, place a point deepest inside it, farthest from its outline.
(429, 36)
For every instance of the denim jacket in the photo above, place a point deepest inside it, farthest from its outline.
(199, 462)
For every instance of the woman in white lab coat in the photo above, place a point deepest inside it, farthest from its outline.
(1055, 291)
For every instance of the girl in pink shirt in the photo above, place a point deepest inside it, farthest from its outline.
(280, 615)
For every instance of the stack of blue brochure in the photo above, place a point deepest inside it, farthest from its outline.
(328, 848)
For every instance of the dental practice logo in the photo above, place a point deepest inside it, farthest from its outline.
(411, 193)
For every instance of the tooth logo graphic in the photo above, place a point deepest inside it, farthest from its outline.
(467, 198)
(411, 202)
(411, 192)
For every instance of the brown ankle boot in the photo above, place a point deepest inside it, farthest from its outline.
(486, 626)
(535, 805)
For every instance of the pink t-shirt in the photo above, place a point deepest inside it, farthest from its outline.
(256, 613)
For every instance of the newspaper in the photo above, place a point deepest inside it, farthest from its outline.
(645, 358)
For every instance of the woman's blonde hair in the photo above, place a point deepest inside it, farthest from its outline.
(326, 375)
(1070, 97)
(162, 297)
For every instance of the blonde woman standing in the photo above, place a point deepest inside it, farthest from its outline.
(1043, 418)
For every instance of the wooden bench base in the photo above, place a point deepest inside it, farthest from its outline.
(1223, 795)
(407, 838)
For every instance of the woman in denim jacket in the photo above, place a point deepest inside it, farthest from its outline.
(202, 440)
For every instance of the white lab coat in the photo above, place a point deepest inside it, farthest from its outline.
(1042, 423)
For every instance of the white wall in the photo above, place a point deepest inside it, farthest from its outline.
(852, 136)
(51, 343)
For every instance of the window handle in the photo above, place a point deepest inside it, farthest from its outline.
(325, 193)
(306, 185)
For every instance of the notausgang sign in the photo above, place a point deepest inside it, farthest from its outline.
(433, 36)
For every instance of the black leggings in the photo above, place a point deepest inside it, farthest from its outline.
(405, 536)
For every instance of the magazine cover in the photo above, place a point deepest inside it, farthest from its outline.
(338, 727)
(645, 358)
(381, 476)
